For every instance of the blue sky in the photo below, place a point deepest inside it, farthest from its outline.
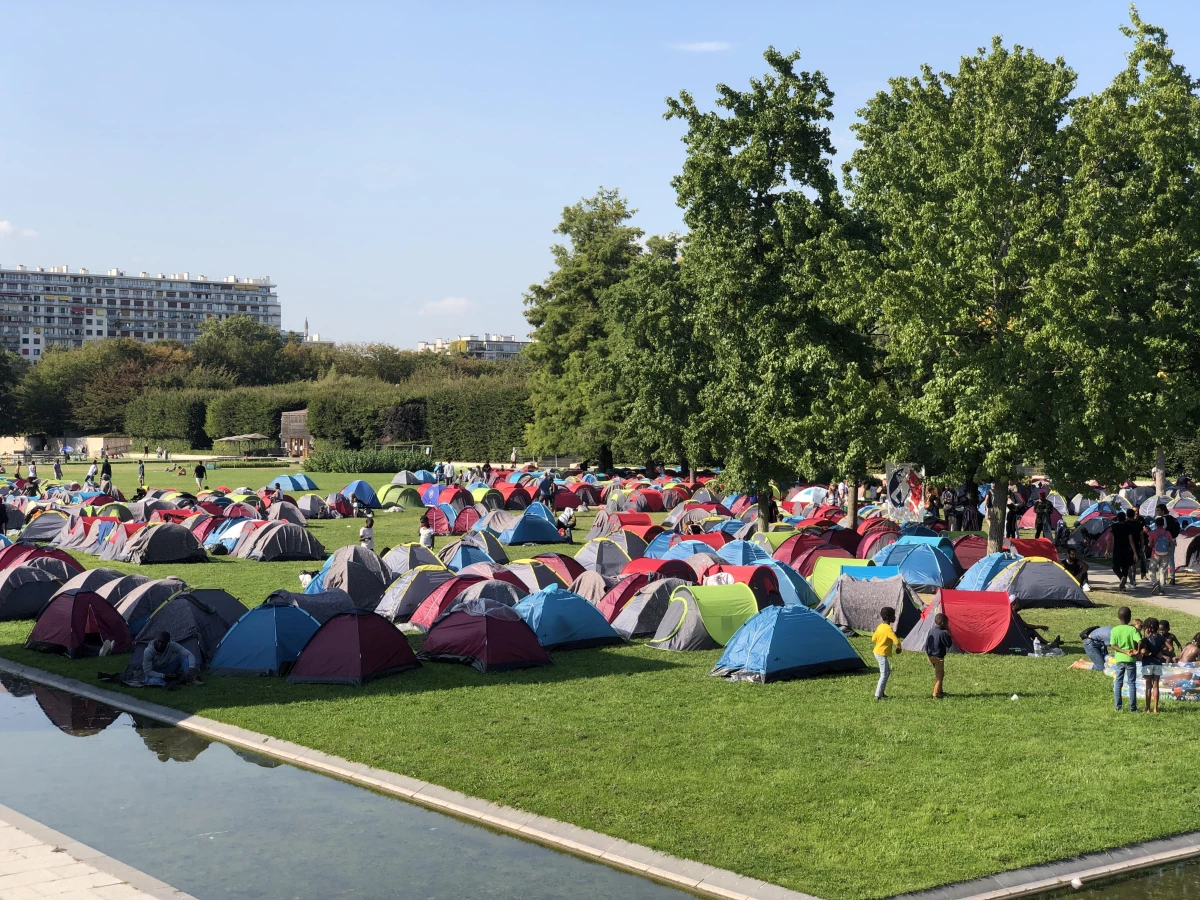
(399, 168)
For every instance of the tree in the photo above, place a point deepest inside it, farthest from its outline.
(12, 371)
(761, 202)
(962, 176)
(238, 344)
(575, 408)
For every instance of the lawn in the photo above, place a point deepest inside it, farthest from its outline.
(809, 784)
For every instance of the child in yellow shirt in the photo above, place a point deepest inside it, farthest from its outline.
(886, 642)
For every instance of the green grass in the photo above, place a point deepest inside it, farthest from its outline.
(809, 784)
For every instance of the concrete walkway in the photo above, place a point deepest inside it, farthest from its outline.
(1184, 595)
(37, 862)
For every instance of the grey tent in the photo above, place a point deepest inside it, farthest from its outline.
(642, 615)
(407, 478)
(404, 557)
(116, 590)
(24, 590)
(282, 511)
(142, 510)
(63, 571)
(72, 535)
(313, 507)
(1039, 583)
(408, 591)
(90, 580)
(322, 607)
(164, 542)
(190, 621)
(747, 531)
(227, 606)
(592, 586)
(854, 603)
(138, 604)
(279, 541)
(497, 521)
(493, 589)
(609, 555)
(700, 561)
(359, 572)
(603, 525)
(44, 527)
(481, 540)
(16, 518)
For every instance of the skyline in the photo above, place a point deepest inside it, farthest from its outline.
(430, 154)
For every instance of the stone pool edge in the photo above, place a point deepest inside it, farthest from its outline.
(698, 878)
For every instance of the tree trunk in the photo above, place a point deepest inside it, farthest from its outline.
(606, 458)
(1160, 471)
(852, 498)
(995, 520)
(685, 469)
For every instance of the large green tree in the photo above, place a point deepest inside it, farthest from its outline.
(765, 231)
(247, 349)
(575, 406)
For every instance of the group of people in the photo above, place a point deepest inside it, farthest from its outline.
(1149, 642)
(1140, 546)
(960, 508)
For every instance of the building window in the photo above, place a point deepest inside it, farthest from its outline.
(89, 331)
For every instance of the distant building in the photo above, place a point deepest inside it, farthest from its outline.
(475, 346)
(44, 307)
(312, 339)
(294, 436)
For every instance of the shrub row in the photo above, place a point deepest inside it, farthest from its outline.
(158, 416)
(478, 419)
(365, 461)
(250, 410)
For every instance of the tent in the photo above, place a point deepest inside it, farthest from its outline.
(77, 623)
(827, 570)
(267, 640)
(807, 563)
(89, 580)
(1029, 518)
(531, 528)
(604, 555)
(662, 568)
(854, 604)
(535, 575)
(704, 618)
(445, 595)
(969, 549)
(618, 595)
(363, 491)
(353, 648)
(280, 541)
(941, 542)
(497, 572)
(1043, 547)
(485, 634)
(138, 604)
(191, 622)
(418, 477)
(1039, 582)
(164, 543)
(761, 579)
(465, 555)
(606, 522)
(480, 540)
(322, 607)
(116, 590)
(410, 590)
(24, 590)
(743, 553)
(44, 526)
(283, 511)
(563, 620)
(783, 642)
(567, 568)
(357, 571)
(313, 507)
(642, 613)
(980, 575)
(404, 557)
(793, 587)
(980, 622)
(399, 495)
(592, 586)
(494, 590)
(874, 541)
(296, 482)
(922, 566)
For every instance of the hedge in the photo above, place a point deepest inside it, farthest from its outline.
(477, 419)
(345, 412)
(250, 410)
(366, 461)
(158, 416)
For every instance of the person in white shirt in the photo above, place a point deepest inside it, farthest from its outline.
(566, 524)
(426, 532)
(366, 534)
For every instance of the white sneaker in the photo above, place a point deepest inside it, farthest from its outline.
(106, 648)
(1087, 588)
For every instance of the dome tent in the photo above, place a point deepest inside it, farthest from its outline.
(485, 634)
(922, 566)
(563, 620)
(784, 642)
(980, 575)
(77, 623)
(363, 491)
(704, 617)
(642, 613)
(266, 640)
(353, 648)
(404, 557)
(295, 482)
(980, 622)
(1039, 582)
(854, 603)
(408, 591)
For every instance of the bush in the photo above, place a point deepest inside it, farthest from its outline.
(477, 419)
(365, 461)
(175, 445)
(345, 412)
(168, 415)
(250, 410)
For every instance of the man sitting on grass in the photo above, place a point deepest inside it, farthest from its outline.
(168, 662)
(1032, 630)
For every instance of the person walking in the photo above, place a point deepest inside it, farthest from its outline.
(1012, 513)
(57, 469)
(1140, 541)
(200, 473)
(3, 517)
(1161, 553)
(1124, 642)
(33, 470)
(937, 644)
(949, 509)
(885, 643)
(1173, 530)
(105, 468)
(141, 472)
(1043, 511)
(1124, 556)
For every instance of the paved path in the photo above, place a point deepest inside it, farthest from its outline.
(37, 862)
(1184, 595)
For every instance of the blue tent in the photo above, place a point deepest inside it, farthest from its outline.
(939, 542)
(980, 575)
(867, 573)
(4, 542)
(297, 482)
(743, 553)
(429, 496)
(531, 528)
(466, 555)
(425, 476)
(658, 547)
(912, 528)
(793, 587)
(733, 526)
(540, 510)
(921, 566)
(215, 536)
(565, 621)
(363, 491)
(684, 549)
(265, 641)
(784, 642)
(317, 585)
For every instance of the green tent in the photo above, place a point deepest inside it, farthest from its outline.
(828, 568)
(771, 540)
(704, 617)
(400, 495)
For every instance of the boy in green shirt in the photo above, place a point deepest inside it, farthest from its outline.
(1124, 643)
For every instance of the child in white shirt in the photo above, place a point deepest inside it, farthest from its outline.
(366, 534)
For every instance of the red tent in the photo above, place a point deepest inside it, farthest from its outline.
(1029, 518)
(714, 539)
(980, 622)
(846, 538)
(441, 598)
(970, 549)
(791, 550)
(620, 593)
(651, 501)
(761, 580)
(178, 516)
(496, 572)
(1043, 547)
(566, 567)
(805, 564)
(485, 634)
(515, 496)
(19, 554)
(353, 648)
(627, 519)
(876, 524)
(565, 499)
(457, 496)
(646, 532)
(660, 568)
(77, 623)
(874, 541)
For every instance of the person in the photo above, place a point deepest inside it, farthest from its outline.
(106, 486)
(1043, 511)
(1077, 568)
(1161, 551)
(3, 516)
(199, 473)
(545, 492)
(366, 534)
(448, 471)
(949, 510)
(33, 470)
(1012, 513)
(356, 509)
(165, 659)
(1173, 529)
(1095, 645)
(1171, 649)
(277, 494)
(1123, 554)
(141, 473)
(770, 509)
(933, 506)
(1140, 540)
(57, 469)
(487, 471)
(566, 524)
(1150, 649)
(425, 535)
(1191, 653)
(105, 468)
(1123, 642)
(885, 643)
(139, 494)
(158, 452)
(513, 458)
(1032, 630)
(437, 473)
(937, 644)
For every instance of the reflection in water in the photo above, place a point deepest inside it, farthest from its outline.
(256, 759)
(76, 716)
(167, 742)
(1177, 882)
(16, 686)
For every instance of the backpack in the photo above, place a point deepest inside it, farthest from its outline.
(1162, 542)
